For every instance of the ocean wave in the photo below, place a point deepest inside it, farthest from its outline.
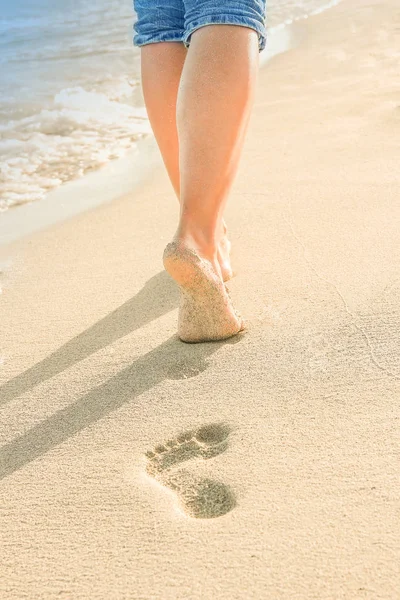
(81, 131)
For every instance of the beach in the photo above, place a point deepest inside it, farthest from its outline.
(304, 405)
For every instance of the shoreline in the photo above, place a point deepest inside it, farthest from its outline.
(118, 177)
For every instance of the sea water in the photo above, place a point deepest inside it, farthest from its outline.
(70, 89)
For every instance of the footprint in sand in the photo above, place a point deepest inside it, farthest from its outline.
(200, 497)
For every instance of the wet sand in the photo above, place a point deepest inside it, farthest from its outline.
(272, 466)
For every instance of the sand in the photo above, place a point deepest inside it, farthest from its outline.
(93, 375)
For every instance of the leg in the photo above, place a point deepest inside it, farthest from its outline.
(161, 69)
(213, 109)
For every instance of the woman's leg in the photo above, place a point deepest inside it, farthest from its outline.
(161, 69)
(213, 108)
(214, 104)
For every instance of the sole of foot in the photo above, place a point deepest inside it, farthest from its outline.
(199, 497)
(206, 312)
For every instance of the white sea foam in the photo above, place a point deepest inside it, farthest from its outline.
(79, 132)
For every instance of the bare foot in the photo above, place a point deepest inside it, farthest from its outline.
(224, 250)
(206, 312)
(224, 260)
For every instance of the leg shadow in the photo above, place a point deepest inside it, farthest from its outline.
(172, 360)
(159, 296)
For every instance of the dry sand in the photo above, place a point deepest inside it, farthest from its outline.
(93, 375)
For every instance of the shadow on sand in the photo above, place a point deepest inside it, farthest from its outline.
(159, 296)
(173, 359)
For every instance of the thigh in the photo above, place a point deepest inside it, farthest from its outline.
(158, 21)
(248, 13)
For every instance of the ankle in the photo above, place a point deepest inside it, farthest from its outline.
(199, 242)
(204, 237)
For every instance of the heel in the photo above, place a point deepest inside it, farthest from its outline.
(207, 321)
(206, 312)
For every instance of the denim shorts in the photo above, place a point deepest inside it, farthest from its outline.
(176, 20)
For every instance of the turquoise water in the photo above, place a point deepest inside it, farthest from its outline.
(70, 81)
